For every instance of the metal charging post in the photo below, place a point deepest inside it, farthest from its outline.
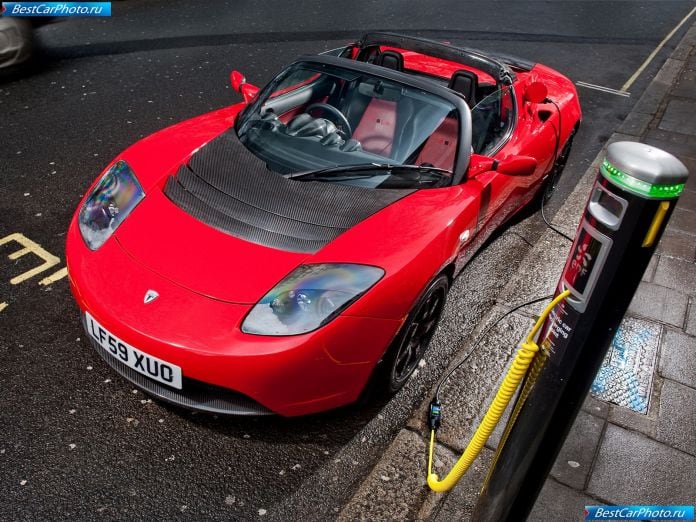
(632, 199)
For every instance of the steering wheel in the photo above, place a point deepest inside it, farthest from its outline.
(342, 123)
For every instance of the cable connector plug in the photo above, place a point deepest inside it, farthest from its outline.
(434, 415)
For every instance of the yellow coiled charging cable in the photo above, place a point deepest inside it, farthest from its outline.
(525, 355)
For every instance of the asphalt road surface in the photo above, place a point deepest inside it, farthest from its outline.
(76, 441)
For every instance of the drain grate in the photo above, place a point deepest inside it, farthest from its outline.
(626, 375)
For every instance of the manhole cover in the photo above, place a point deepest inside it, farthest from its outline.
(626, 375)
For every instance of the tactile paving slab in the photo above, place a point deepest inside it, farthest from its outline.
(626, 375)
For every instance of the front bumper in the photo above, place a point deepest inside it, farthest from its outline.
(224, 369)
(195, 395)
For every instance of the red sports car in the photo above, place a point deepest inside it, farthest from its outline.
(277, 255)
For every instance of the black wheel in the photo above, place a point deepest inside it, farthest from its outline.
(557, 169)
(410, 344)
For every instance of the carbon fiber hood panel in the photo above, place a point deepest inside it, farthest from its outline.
(227, 187)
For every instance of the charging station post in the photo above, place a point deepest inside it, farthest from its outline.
(631, 201)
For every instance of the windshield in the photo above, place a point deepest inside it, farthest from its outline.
(318, 116)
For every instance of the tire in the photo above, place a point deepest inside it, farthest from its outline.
(557, 170)
(408, 347)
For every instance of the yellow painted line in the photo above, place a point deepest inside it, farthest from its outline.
(652, 55)
(60, 274)
(3, 306)
(19, 253)
(29, 247)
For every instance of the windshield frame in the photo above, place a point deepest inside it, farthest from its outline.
(463, 153)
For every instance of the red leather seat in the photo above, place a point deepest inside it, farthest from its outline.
(441, 147)
(377, 127)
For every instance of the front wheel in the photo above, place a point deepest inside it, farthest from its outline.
(410, 344)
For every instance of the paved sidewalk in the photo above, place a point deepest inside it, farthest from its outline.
(613, 454)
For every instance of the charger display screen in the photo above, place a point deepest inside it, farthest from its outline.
(582, 261)
(585, 263)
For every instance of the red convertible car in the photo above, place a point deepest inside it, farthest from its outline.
(278, 255)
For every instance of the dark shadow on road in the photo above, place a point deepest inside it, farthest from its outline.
(212, 40)
(333, 428)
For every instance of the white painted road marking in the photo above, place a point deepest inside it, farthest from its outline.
(603, 89)
(623, 91)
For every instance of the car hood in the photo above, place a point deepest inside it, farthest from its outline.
(226, 227)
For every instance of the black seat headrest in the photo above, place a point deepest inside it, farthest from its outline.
(465, 83)
(391, 60)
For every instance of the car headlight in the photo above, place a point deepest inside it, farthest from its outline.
(109, 203)
(310, 297)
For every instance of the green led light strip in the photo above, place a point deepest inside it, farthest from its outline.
(636, 186)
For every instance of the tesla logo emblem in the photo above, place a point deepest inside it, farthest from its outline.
(150, 296)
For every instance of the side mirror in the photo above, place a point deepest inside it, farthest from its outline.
(535, 92)
(237, 79)
(248, 92)
(239, 84)
(516, 166)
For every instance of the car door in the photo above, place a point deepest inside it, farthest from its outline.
(492, 121)
(507, 125)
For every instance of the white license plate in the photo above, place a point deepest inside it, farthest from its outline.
(150, 366)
